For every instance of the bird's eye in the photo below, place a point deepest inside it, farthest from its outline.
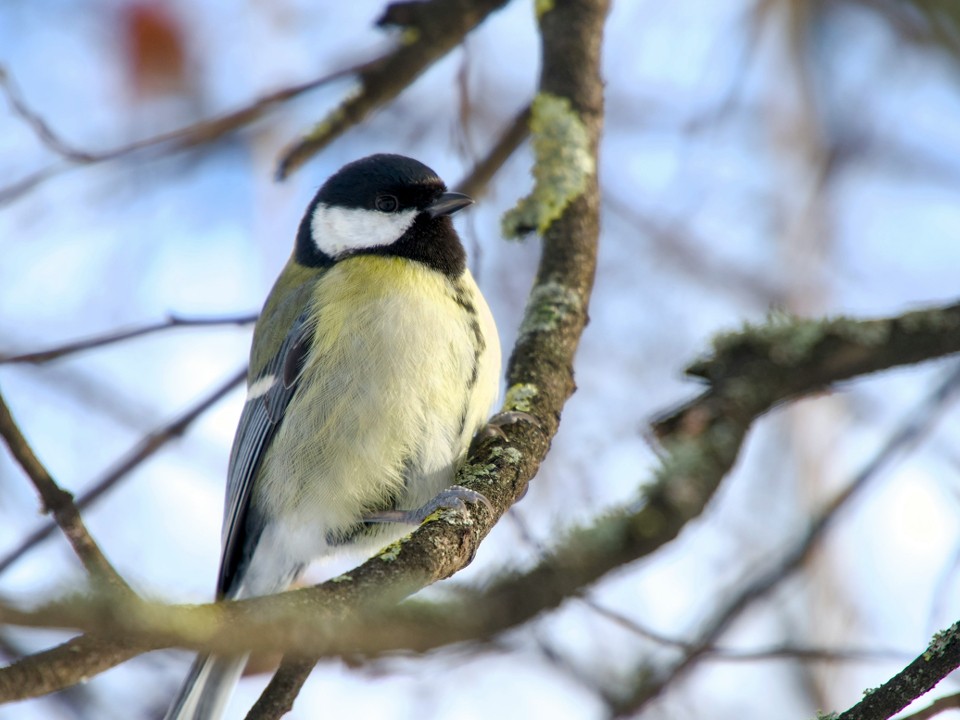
(387, 203)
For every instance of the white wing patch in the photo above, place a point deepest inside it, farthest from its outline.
(337, 230)
(260, 387)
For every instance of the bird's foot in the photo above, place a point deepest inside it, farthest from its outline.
(454, 497)
(494, 427)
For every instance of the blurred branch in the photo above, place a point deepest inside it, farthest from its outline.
(934, 23)
(476, 181)
(692, 255)
(173, 321)
(917, 426)
(144, 449)
(76, 701)
(40, 128)
(277, 698)
(941, 705)
(430, 30)
(63, 666)
(774, 362)
(59, 502)
(785, 651)
(174, 141)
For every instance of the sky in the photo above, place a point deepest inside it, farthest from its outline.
(743, 171)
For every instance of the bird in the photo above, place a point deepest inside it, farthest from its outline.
(375, 361)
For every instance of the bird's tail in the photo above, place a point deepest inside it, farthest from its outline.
(207, 689)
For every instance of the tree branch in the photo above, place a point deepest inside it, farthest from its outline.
(63, 666)
(430, 30)
(476, 181)
(940, 659)
(277, 698)
(173, 321)
(787, 356)
(176, 140)
(144, 450)
(60, 503)
(940, 705)
(650, 684)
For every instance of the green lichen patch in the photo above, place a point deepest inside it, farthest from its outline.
(542, 7)
(392, 551)
(511, 455)
(788, 340)
(482, 473)
(519, 397)
(549, 304)
(562, 165)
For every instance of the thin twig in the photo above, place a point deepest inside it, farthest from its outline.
(940, 705)
(39, 126)
(513, 135)
(60, 503)
(786, 651)
(144, 449)
(173, 321)
(175, 140)
(674, 243)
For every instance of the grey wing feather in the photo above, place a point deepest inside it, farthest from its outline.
(259, 421)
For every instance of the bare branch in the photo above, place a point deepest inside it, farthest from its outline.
(430, 30)
(277, 698)
(63, 666)
(940, 659)
(173, 321)
(724, 654)
(144, 449)
(770, 361)
(60, 503)
(941, 705)
(173, 141)
(476, 181)
(39, 126)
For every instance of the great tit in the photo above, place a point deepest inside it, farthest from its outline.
(374, 362)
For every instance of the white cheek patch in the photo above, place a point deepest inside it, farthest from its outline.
(337, 230)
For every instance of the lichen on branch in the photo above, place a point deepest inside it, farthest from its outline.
(563, 162)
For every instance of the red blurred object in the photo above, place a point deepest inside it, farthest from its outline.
(156, 56)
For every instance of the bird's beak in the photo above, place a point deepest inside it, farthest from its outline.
(448, 204)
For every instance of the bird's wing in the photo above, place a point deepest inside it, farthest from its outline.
(268, 396)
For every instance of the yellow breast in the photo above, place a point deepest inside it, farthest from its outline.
(403, 369)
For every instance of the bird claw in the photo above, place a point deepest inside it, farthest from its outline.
(494, 427)
(454, 497)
